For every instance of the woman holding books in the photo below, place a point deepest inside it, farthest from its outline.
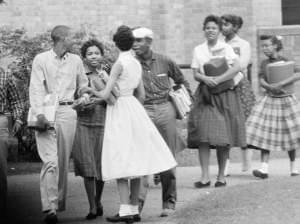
(87, 148)
(274, 123)
(217, 115)
(231, 24)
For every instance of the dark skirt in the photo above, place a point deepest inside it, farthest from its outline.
(247, 96)
(222, 121)
(87, 147)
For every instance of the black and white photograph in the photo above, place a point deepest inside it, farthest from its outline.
(148, 111)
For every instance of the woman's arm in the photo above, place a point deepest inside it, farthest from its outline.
(140, 92)
(116, 70)
(198, 76)
(230, 73)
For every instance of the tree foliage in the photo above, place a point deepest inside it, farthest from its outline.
(21, 48)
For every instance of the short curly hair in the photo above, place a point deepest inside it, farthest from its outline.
(212, 18)
(274, 39)
(123, 38)
(91, 43)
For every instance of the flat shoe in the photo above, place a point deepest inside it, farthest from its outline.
(294, 174)
(117, 218)
(220, 184)
(91, 216)
(259, 174)
(199, 184)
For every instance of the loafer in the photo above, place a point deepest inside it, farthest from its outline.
(199, 184)
(99, 211)
(167, 212)
(91, 216)
(220, 184)
(259, 174)
(137, 218)
(51, 218)
(294, 174)
(117, 218)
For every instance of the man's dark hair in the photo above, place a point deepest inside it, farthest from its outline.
(59, 33)
(91, 43)
(123, 38)
(212, 18)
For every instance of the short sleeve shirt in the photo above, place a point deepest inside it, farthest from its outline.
(203, 54)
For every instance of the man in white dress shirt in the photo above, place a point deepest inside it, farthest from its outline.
(56, 71)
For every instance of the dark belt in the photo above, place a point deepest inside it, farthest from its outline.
(65, 103)
(153, 102)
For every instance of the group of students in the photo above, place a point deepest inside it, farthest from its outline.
(125, 130)
(122, 126)
(232, 118)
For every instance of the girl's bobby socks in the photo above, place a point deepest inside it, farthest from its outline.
(293, 167)
(264, 167)
(125, 210)
(134, 209)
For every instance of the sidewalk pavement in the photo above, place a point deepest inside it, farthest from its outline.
(24, 195)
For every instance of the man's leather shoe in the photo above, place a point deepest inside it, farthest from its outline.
(199, 184)
(117, 218)
(137, 218)
(91, 216)
(259, 174)
(51, 218)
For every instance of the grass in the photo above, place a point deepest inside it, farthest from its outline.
(275, 201)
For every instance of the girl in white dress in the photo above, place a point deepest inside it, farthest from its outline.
(132, 146)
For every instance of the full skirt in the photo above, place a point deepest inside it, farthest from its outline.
(132, 146)
(274, 124)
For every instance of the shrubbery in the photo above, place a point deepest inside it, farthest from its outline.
(21, 49)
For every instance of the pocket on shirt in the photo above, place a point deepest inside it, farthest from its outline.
(163, 80)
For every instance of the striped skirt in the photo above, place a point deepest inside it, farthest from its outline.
(274, 124)
(87, 151)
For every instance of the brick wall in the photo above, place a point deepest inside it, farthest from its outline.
(176, 23)
(291, 44)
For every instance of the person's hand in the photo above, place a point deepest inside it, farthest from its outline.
(209, 81)
(42, 123)
(276, 88)
(17, 127)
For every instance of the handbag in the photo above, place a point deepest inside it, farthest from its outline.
(48, 108)
(181, 101)
(217, 66)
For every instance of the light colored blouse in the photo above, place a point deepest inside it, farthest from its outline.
(202, 54)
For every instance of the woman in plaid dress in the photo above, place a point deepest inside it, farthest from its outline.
(274, 124)
(231, 24)
(218, 118)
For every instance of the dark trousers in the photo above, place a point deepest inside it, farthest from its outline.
(164, 118)
(3, 164)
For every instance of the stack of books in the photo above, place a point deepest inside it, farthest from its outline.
(181, 100)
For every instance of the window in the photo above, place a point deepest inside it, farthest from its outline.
(290, 12)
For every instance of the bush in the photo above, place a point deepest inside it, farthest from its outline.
(21, 49)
